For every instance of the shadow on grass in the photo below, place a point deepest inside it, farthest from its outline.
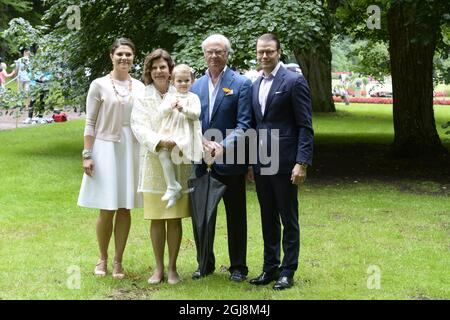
(56, 149)
(54, 140)
(342, 154)
(345, 159)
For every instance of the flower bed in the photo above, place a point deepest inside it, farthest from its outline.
(440, 94)
(382, 100)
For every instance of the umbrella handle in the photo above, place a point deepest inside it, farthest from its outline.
(208, 168)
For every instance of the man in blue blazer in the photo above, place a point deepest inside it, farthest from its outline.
(282, 115)
(225, 116)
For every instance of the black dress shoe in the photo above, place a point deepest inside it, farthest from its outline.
(265, 278)
(237, 276)
(283, 283)
(198, 275)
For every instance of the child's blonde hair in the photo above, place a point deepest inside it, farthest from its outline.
(3, 66)
(182, 67)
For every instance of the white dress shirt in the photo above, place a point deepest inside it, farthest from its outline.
(213, 89)
(265, 86)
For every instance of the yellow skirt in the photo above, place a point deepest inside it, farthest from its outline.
(155, 209)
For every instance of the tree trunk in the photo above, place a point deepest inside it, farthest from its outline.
(316, 67)
(411, 47)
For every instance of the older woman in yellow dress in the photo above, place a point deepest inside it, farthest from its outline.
(165, 222)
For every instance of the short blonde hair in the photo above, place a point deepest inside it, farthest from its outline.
(182, 67)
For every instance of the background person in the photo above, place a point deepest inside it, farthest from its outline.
(23, 73)
(4, 75)
(38, 90)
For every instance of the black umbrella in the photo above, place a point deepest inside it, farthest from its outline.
(205, 194)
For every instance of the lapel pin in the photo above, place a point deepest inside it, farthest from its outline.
(228, 91)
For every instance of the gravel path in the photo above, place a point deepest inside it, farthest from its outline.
(9, 122)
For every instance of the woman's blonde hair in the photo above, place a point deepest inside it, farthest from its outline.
(182, 67)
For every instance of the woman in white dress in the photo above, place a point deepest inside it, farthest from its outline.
(111, 155)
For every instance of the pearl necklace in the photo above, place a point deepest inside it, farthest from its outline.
(118, 95)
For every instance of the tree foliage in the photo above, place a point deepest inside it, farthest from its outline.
(296, 23)
(304, 28)
(50, 58)
(101, 23)
(10, 7)
(413, 31)
(180, 26)
(84, 51)
(353, 17)
(8, 10)
(20, 33)
(372, 59)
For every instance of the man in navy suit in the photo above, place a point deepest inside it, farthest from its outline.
(225, 116)
(282, 112)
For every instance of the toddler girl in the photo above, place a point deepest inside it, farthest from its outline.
(180, 114)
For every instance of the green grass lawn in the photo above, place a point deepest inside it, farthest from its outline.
(348, 226)
(12, 85)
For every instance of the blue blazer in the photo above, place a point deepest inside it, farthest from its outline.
(231, 115)
(288, 109)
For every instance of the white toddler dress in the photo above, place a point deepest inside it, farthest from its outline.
(184, 127)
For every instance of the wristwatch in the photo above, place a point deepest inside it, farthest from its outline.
(304, 165)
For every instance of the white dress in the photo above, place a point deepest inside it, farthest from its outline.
(184, 127)
(116, 169)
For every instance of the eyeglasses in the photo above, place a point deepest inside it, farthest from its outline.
(218, 53)
(269, 53)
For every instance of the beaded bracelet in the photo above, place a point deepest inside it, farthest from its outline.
(86, 154)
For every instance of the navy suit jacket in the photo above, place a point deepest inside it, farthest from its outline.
(288, 109)
(231, 115)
